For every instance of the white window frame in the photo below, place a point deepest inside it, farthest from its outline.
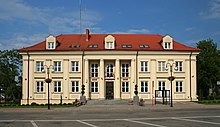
(179, 66)
(125, 70)
(109, 70)
(94, 87)
(94, 70)
(75, 87)
(144, 86)
(167, 45)
(39, 66)
(161, 66)
(161, 85)
(39, 86)
(144, 66)
(109, 45)
(57, 87)
(50, 45)
(57, 65)
(75, 66)
(125, 87)
(179, 86)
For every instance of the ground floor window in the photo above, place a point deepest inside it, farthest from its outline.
(40, 86)
(125, 87)
(144, 86)
(161, 85)
(75, 86)
(179, 86)
(57, 86)
(94, 87)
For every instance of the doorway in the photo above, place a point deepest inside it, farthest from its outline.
(109, 90)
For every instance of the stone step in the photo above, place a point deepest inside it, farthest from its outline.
(107, 102)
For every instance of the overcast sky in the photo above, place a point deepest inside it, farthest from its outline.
(27, 22)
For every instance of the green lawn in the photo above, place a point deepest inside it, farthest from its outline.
(33, 106)
(208, 102)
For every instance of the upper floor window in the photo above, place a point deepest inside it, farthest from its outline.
(75, 86)
(57, 87)
(94, 87)
(93, 46)
(144, 86)
(125, 70)
(125, 87)
(109, 42)
(50, 42)
(126, 46)
(39, 86)
(179, 86)
(57, 66)
(179, 66)
(144, 66)
(39, 66)
(161, 85)
(50, 45)
(161, 66)
(144, 46)
(94, 70)
(75, 66)
(109, 45)
(167, 45)
(109, 70)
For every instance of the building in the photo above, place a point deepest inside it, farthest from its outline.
(109, 65)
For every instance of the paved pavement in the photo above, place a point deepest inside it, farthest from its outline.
(183, 114)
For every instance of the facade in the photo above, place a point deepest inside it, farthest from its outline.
(109, 65)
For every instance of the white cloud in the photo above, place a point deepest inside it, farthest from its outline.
(213, 11)
(192, 42)
(134, 31)
(189, 28)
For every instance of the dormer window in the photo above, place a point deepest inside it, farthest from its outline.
(109, 42)
(167, 42)
(50, 42)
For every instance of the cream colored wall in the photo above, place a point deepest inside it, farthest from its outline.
(115, 57)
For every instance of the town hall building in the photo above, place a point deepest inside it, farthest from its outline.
(109, 65)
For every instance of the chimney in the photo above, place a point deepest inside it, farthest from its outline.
(87, 34)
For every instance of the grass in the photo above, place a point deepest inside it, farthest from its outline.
(33, 106)
(208, 102)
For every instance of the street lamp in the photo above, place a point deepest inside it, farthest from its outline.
(171, 78)
(48, 81)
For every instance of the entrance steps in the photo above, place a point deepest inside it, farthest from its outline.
(107, 102)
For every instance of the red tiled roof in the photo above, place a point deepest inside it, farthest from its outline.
(152, 40)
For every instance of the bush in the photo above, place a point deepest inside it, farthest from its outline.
(65, 104)
(34, 104)
(41, 104)
(69, 103)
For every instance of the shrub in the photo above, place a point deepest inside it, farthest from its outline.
(69, 103)
(64, 104)
(33, 103)
(41, 104)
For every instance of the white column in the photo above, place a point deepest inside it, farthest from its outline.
(31, 80)
(102, 80)
(132, 83)
(86, 82)
(153, 77)
(117, 85)
(65, 84)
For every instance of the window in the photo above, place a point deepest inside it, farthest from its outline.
(179, 86)
(126, 46)
(40, 86)
(94, 70)
(179, 66)
(125, 71)
(161, 85)
(144, 66)
(109, 45)
(93, 46)
(161, 66)
(57, 87)
(57, 66)
(144, 46)
(39, 66)
(167, 45)
(94, 87)
(125, 87)
(109, 70)
(74, 46)
(75, 66)
(50, 45)
(75, 86)
(144, 86)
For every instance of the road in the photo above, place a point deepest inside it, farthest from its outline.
(112, 116)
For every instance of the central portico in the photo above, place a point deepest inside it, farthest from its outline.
(109, 78)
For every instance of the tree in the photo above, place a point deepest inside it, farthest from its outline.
(208, 68)
(9, 69)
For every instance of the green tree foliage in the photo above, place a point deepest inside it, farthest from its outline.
(10, 66)
(208, 66)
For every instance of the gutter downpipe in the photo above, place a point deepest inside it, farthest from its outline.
(28, 76)
(190, 75)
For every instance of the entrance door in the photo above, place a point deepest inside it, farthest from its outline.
(109, 90)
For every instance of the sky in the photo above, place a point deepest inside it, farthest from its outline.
(28, 22)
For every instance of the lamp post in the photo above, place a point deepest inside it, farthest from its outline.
(171, 78)
(48, 81)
